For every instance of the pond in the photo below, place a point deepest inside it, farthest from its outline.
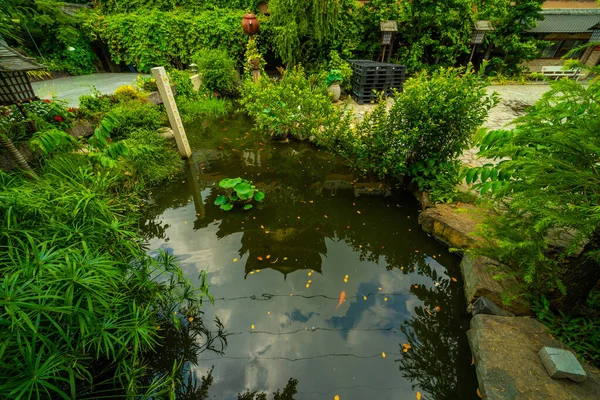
(330, 281)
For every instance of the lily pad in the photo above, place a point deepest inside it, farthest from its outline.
(229, 182)
(220, 200)
(227, 207)
(247, 207)
(234, 197)
(244, 191)
(259, 196)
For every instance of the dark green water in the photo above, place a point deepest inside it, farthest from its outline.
(321, 233)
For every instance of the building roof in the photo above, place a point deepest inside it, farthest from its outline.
(11, 60)
(567, 21)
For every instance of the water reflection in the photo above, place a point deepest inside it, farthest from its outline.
(279, 271)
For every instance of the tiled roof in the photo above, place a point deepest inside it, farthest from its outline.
(11, 60)
(567, 21)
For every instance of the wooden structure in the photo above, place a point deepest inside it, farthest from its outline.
(15, 86)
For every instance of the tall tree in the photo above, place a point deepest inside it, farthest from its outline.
(510, 40)
(548, 184)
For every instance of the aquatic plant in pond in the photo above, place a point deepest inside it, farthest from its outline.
(239, 191)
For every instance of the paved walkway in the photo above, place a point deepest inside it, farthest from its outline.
(71, 87)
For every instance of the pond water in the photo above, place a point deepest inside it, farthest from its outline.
(351, 297)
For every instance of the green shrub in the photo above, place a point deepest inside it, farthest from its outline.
(423, 131)
(95, 103)
(337, 63)
(217, 71)
(211, 108)
(77, 59)
(135, 115)
(158, 162)
(78, 294)
(182, 82)
(292, 106)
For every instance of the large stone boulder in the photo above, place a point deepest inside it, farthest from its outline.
(452, 224)
(484, 277)
(506, 349)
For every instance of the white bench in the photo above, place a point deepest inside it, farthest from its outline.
(558, 72)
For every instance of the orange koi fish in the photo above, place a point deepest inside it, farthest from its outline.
(342, 299)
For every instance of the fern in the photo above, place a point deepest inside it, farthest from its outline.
(51, 140)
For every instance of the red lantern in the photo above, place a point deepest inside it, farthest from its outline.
(250, 24)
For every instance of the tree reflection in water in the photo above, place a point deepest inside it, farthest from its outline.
(438, 358)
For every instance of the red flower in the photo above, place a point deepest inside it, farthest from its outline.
(59, 118)
(71, 109)
(47, 101)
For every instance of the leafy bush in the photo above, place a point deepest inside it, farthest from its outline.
(135, 115)
(337, 63)
(150, 38)
(145, 84)
(202, 107)
(546, 183)
(292, 106)
(79, 294)
(95, 103)
(423, 131)
(182, 82)
(126, 92)
(217, 71)
(158, 162)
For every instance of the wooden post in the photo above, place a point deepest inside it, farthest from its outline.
(164, 88)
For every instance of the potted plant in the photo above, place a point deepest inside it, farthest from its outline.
(334, 78)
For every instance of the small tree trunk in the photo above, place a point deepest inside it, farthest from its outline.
(16, 155)
(582, 276)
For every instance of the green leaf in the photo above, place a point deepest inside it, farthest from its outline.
(259, 196)
(486, 187)
(234, 197)
(219, 201)
(485, 174)
(244, 191)
(471, 175)
(229, 182)
(226, 206)
(248, 206)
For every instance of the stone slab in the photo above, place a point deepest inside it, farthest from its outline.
(506, 349)
(452, 224)
(479, 281)
(561, 364)
(483, 305)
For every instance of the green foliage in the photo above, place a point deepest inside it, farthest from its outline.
(510, 39)
(217, 71)
(156, 163)
(134, 115)
(433, 32)
(78, 293)
(180, 79)
(118, 6)
(76, 59)
(292, 106)
(547, 167)
(334, 76)
(95, 103)
(203, 107)
(579, 333)
(421, 134)
(239, 192)
(344, 68)
(47, 115)
(153, 38)
(293, 22)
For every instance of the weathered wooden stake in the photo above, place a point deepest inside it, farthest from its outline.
(164, 88)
